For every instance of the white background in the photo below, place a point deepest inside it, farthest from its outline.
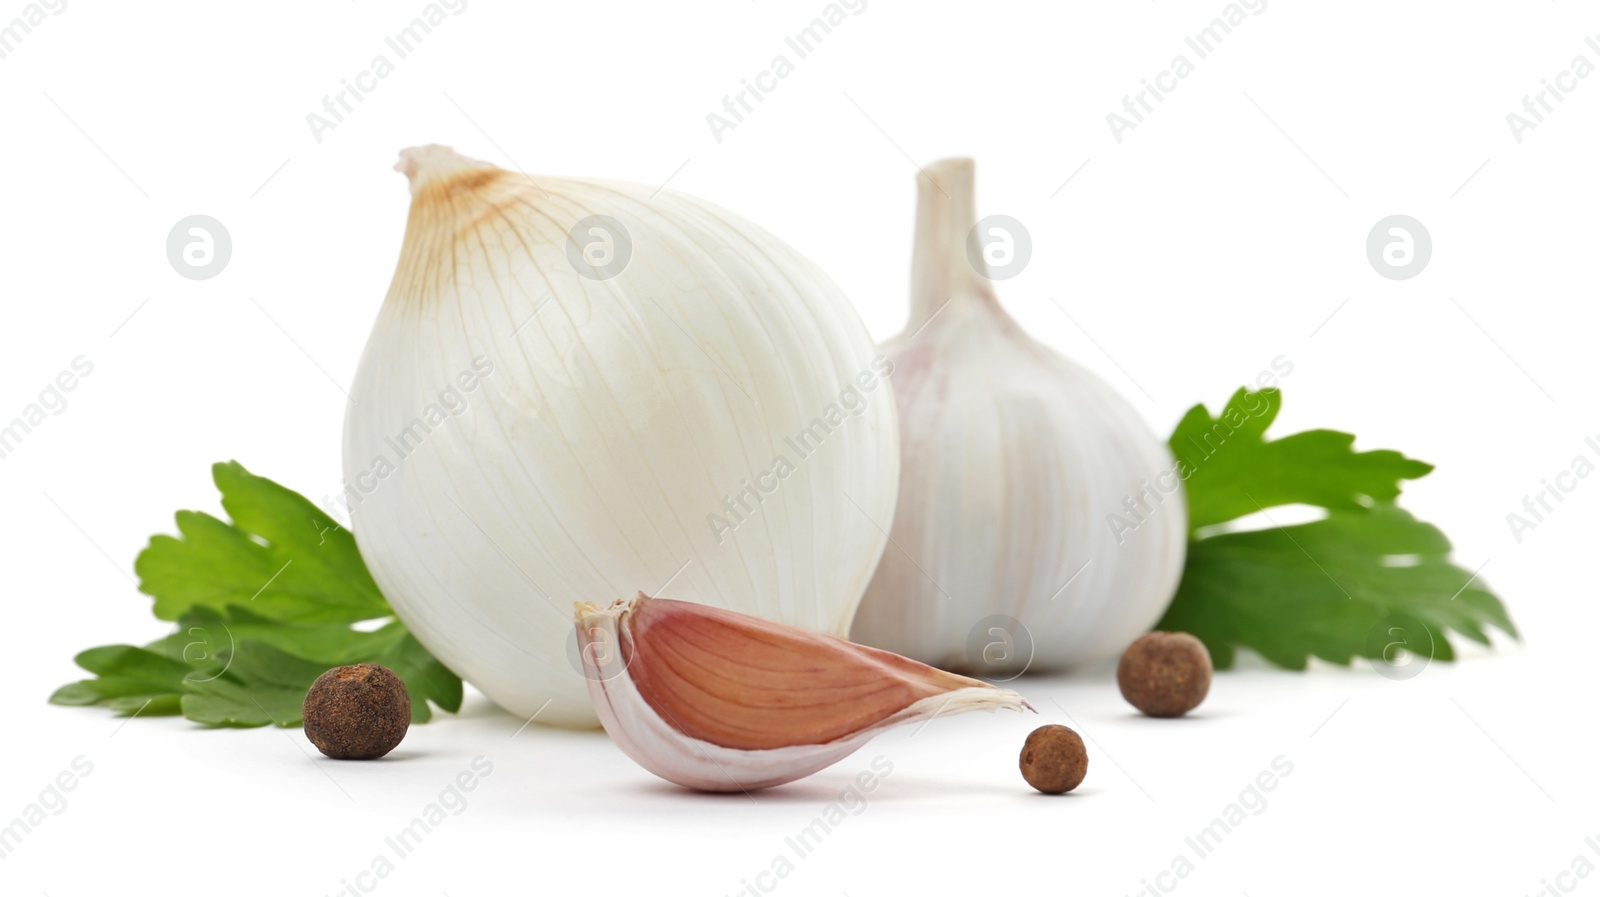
(1226, 230)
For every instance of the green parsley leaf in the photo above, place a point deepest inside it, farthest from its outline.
(223, 702)
(282, 557)
(1319, 589)
(129, 679)
(262, 606)
(1230, 469)
(425, 677)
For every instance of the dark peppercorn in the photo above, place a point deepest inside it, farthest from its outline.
(1165, 673)
(357, 712)
(1053, 759)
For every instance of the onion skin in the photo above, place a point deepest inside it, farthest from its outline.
(618, 417)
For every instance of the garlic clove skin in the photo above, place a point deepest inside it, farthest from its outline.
(525, 434)
(1015, 467)
(720, 701)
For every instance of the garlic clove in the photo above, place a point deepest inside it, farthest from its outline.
(716, 700)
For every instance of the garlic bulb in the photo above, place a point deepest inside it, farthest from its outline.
(1035, 505)
(720, 701)
(578, 389)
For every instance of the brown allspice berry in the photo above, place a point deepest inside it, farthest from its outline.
(1053, 759)
(357, 712)
(1165, 674)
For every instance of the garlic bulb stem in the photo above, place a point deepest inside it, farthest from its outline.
(941, 269)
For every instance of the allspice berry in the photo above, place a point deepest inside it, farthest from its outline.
(1054, 760)
(357, 712)
(1165, 673)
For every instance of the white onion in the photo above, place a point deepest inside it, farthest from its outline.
(608, 418)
